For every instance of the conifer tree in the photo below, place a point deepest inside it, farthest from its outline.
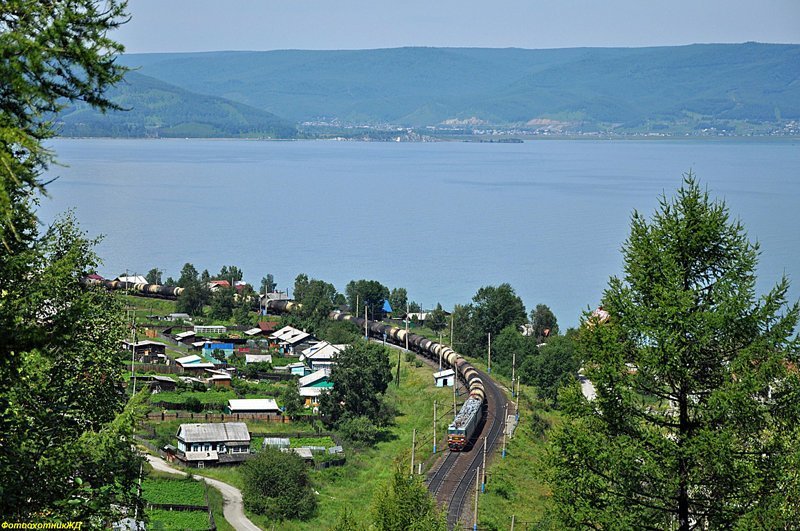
(695, 423)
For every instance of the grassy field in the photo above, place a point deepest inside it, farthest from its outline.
(515, 486)
(173, 491)
(177, 520)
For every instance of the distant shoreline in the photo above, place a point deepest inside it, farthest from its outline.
(473, 140)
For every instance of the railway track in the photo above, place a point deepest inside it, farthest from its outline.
(454, 481)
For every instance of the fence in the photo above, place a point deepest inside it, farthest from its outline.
(217, 417)
(160, 368)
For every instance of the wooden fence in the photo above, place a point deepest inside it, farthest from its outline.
(217, 417)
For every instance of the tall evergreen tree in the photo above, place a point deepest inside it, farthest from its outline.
(697, 417)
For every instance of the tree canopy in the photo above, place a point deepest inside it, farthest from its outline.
(277, 484)
(65, 444)
(696, 419)
(405, 504)
(360, 378)
(492, 310)
(437, 319)
(369, 293)
(543, 322)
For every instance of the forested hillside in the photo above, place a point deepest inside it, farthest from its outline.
(677, 89)
(154, 108)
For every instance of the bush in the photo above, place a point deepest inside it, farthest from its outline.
(276, 484)
(359, 430)
(410, 357)
(193, 404)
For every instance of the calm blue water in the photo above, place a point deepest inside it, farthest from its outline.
(440, 219)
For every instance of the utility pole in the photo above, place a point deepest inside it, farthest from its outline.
(512, 522)
(483, 477)
(505, 428)
(516, 406)
(452, 317)
(455, 409)
(477, 483)
(366, 326)
(434, 426)
(397, 383)
(413, 443)
(406, 326)
(490, 353)
(513, 371)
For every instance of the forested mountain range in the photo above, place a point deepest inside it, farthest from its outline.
(153, 108)
(627, 89)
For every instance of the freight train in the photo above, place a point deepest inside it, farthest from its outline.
(464, 427)
(468, 419)
(148, 290)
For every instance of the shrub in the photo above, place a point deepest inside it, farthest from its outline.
(276, 484)
(359, 430)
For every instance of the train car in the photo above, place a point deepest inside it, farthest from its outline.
(461, 430)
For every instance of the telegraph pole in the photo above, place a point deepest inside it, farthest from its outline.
(452, 317)
(413, 443)
(366, 326)
(483, 477)
(512, 522)
(513, 370)
(490, 353)
(505, 428)
(516, 406)
(477, 483)
(406, 326)
(455, 410)
(397, 382)
(434, 426)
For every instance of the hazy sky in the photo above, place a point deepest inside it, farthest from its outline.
(199, 25)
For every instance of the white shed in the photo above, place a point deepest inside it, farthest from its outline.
(444, 378)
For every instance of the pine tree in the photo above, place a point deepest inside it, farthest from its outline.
(695, 423)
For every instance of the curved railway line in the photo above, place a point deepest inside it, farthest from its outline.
(453, 482)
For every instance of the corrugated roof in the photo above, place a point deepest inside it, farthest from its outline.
(258, 358)
(252, 331)
(192, 358)
(252, 404)
(214, 432)
(290, 335)
(184, 335)
(313, 377)
(443, 374)
(322, 351)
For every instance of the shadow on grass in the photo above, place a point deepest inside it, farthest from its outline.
(386, 436)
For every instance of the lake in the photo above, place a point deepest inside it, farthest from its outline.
(440, 219)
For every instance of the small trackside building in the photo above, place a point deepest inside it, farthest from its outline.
(444, 378)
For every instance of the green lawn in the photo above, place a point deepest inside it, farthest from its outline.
(177, 520)
(173, 491)
(515, 486)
